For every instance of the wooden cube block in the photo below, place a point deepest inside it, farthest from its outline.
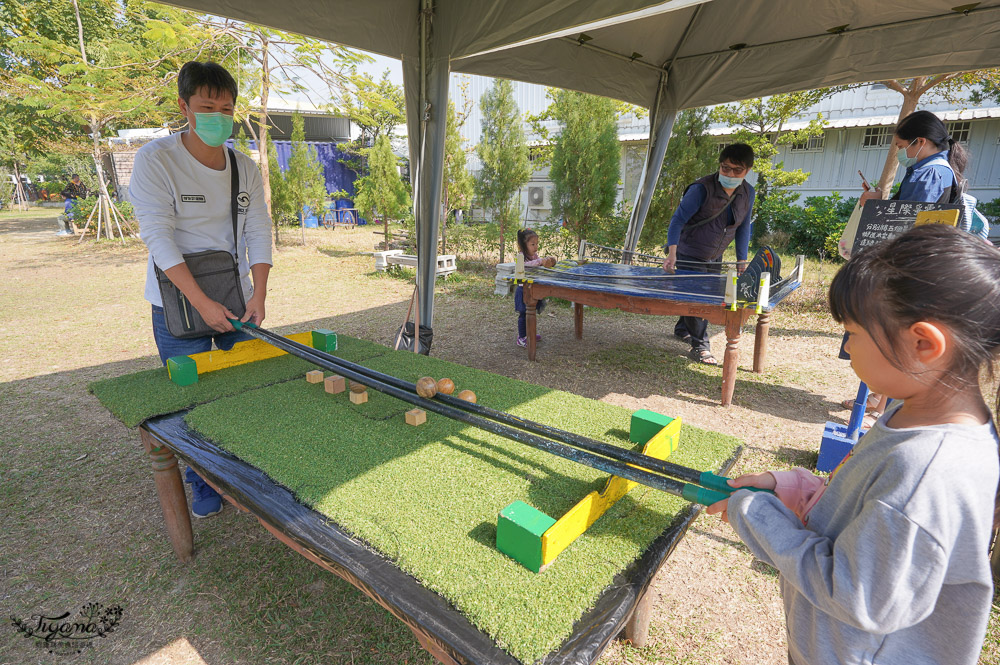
(416, 417)
(359, 398)
(334, 384)
(315, 376)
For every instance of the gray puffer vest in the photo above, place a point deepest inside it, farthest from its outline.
(709, 240)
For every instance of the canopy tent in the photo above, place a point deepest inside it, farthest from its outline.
(663, 55)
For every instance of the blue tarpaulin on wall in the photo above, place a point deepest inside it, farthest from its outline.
(338, 177)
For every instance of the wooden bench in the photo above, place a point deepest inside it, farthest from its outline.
(395, 257)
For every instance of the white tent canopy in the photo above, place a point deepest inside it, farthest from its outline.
(663, 55)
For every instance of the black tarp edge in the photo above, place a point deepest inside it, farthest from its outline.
(403, 595)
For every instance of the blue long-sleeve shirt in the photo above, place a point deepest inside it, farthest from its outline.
(926, 182)
(692, 201)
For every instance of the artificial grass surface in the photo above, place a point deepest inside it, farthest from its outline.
(133, 398)
(427, 497)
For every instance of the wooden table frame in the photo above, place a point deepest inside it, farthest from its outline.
(623, 611)
(720, 314)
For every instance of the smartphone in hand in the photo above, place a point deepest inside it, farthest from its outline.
(864, 183)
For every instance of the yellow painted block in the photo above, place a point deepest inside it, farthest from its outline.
(242, 353)
(578, 519)
(949, 217)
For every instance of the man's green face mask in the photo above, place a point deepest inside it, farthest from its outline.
(214, 129)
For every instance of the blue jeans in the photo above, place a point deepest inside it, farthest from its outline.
(170, 346)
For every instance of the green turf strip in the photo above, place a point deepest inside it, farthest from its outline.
(133, 398)
(428, 497)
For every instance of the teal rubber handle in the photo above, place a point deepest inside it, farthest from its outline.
(720, 484)
(705, 497)
(238, 325)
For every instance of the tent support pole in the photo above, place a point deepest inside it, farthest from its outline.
(661, 122)
(426, 83)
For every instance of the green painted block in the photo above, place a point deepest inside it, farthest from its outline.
(646, 424)
(324, 340)
(183, 370)
(519, 533)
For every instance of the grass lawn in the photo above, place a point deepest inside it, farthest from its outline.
(82, 523)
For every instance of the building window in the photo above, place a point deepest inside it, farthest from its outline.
(959, 131)
(876, 137)
(811, 144)
(723, 146)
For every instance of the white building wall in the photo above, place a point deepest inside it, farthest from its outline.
(834, 168)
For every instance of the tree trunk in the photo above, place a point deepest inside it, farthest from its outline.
(385, 239)
(79, 32)
(910, 99)
(503, 216)
(265, 167)
(444, 219)
(102, 187)
(19, 193)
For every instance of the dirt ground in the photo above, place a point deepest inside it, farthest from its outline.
(82, 522)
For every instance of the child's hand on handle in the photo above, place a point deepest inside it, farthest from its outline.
(762, 480)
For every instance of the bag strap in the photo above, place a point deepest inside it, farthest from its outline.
(234, 189)
(714, 217)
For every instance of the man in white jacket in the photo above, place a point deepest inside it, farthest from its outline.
(181, 189)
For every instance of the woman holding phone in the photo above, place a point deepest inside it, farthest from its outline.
(934, 164)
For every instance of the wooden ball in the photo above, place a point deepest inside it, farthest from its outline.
(445, 386)
(358, 387)
(426, 387)
(468, 396)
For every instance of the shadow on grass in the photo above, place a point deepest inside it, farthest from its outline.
(802, 332)
(669, 372)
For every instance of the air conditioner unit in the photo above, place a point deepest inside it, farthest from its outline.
(537, 197)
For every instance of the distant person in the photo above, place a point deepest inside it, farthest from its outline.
(934, 164)
(73, 192)
(181, 190)
(714, 211)
(886, 560)
(527, 244)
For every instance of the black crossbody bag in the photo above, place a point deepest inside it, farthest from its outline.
(216, 271)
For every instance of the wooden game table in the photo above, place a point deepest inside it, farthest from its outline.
(701, 296)
(624, 607)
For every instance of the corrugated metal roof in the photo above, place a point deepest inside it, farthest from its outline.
(877, 120)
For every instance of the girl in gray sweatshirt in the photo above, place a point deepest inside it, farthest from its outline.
(886, 561)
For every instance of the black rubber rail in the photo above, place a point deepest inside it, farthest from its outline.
(684, 473)
(687, 491)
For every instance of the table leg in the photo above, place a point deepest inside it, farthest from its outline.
(731, 357)
(578, 319)
(170, 490)
(531, 319)
(760, 341)
(637, 627)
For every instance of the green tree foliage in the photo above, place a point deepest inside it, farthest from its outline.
(305, 185)
(376, 108)
(503, 151)
(586, 160)
(691, 154)
(92, 66)
(458, 184)
(382, 194)
(267, 61)
(954, 88)
(762, 124)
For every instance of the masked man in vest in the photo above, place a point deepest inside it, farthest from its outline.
(714, 211)
(182, 191)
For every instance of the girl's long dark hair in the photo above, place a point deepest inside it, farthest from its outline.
(927, 125)
(523, 236)
(930, 273)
